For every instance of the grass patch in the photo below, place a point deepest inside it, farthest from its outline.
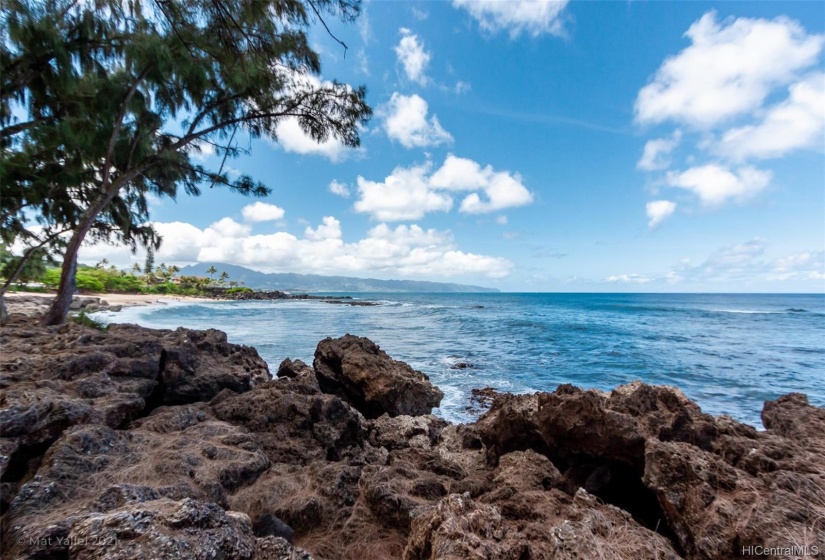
(83, 319)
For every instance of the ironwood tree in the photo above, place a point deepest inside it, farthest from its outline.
(106, 102)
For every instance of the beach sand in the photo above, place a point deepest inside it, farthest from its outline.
(32, 303)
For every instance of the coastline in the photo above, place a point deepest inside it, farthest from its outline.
(35, 304)
(155, 440)
(125, 300)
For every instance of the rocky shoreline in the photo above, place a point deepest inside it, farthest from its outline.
(278, 295)
(146, 444)
(36, 304)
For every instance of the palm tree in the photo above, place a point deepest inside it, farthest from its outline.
(211, 271)
(223, 278)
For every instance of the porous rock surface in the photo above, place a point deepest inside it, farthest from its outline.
(358, 371)
(178, 444)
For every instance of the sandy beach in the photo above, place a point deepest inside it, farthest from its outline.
(35, 304)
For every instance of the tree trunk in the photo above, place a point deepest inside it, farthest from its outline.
(4, 313)
(59, 311)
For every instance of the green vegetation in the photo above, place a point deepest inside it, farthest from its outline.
(108, 279)
(104, 104)
(83, 319)
(239, 291)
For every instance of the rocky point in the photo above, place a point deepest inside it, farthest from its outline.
(139, 443)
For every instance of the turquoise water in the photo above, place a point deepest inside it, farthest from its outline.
(728, 352)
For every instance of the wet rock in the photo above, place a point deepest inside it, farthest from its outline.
(358, 371)
(462, 365)
(481, 400)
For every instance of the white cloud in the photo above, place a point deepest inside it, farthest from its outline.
(227, 227)
(339, 189)
(410, 193)
(330, 228)
(533, 17)
(412, 56)
(656, 152)
(292, 139)
(460, 174)
(201, 151)
(658, 211)
(501, 189)
(363, 61)
(715, 184)
(405, 251)
(262, 212)
(630, 279)
(728, 70)
(741, 266)
(403, 195)
(746, 262)
(462, 87)
(405, 120)
(418, 14)
(501, 220)
(797, 122)
(805, 265)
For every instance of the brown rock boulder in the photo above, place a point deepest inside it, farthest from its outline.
(163, 529)
(791, 416)
(400, 432)
(298, 375)
(56, 377)
(358, 371)
(536, 525)
(173, 454)
(294, 427)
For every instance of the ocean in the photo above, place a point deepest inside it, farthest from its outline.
(728, 352)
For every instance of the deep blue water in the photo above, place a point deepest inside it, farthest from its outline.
(728, 352)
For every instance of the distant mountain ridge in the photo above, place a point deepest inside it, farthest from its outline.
(290, 282)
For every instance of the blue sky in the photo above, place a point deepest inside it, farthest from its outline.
(547, 146)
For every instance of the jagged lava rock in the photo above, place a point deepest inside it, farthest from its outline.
(713, 485)
(538, 525)
(358, 371)
(176, 453)
(179, 445)
(55, 377)
(164, 528)
(298, 375)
